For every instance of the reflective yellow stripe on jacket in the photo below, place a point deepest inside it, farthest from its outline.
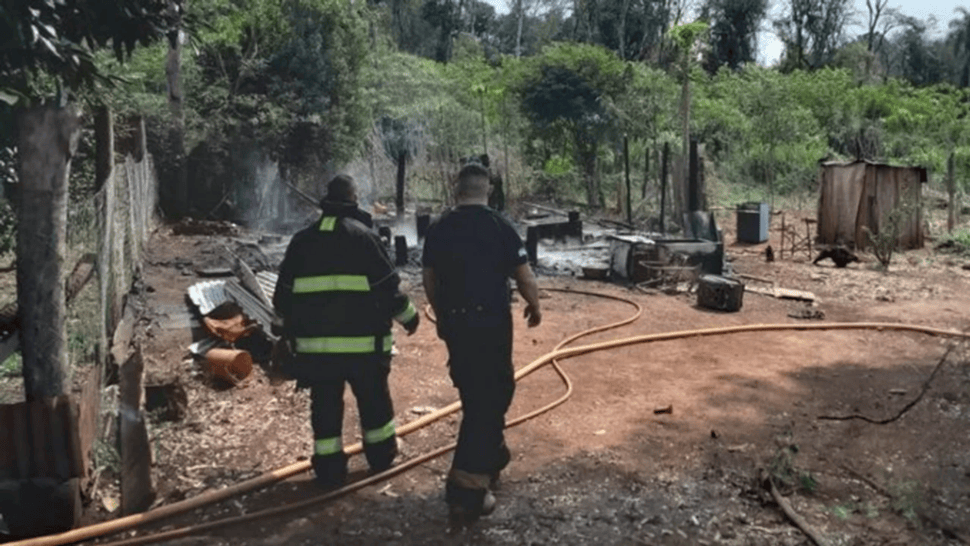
(328, 223)
(331, 283)
(342, 345)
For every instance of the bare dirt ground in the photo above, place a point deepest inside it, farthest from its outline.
(604, 468)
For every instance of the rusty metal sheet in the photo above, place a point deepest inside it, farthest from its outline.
(40, 439)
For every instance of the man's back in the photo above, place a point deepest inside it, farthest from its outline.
(473, 251)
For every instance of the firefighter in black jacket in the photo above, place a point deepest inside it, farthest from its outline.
(337, 295)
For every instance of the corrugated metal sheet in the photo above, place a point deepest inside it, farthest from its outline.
(859, 195)
(267, 281)
(208, 295)
(252, 306)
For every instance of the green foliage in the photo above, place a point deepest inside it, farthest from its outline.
(786, 476)
(907, 499)
(883, 243)
(47, 39)
(12, 366)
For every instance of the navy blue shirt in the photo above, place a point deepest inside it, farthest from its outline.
(473, 251)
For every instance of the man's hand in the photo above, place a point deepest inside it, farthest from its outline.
(411, 326)
(533, 314)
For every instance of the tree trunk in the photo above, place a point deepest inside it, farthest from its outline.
(48, 140)
(685, 109)
(518, 32)
(626, 175)
(173, 77)
(587, 158)
(402, 161)
(621, 30)
(663, 187)
(646, 171)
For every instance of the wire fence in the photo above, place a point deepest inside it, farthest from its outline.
(124, 212)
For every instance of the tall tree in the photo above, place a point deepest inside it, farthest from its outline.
(917, 56)
(43, 40)
(875, 9)
(734, 31)
(173, 74)
(960, 33)
(812, 31)
(686, 37)
(569, 100)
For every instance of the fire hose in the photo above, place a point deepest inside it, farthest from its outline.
(553, 357)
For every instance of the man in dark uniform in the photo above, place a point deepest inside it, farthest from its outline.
(496, 196)
(337, 294)
(469, 255)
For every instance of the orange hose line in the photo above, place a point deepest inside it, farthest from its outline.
(398, 469)
(136, 520)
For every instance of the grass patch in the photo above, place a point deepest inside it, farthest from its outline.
(907, 498)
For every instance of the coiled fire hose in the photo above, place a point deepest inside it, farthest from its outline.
(553, 357)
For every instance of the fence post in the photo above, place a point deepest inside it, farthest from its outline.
(104, 139)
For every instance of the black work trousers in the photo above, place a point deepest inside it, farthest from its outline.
(368, 380)
(480, 364)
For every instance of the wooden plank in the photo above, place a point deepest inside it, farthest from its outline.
(137, 490)
(89, 408)
(80, 276)
(37, 429)
(20, 442)
(8, 457)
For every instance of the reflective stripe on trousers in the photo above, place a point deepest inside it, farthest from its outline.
(343, 345)
(378, 435)
(327, 446)
(407, 314)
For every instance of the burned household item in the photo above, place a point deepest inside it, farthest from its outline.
(838, 254)
(638, 258)
(556, 227)
(719, 293)
(754, 220)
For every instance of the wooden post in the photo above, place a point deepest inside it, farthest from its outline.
(781, 247)
(646, 171)
(173, 75)
(693, 189)
(48, 140)
(663, 187)
(423, 221)
(951, 189)
(402, 161)
(400, 250)
(141, 138)
(626, 170)
(137, 491)
(104, 139)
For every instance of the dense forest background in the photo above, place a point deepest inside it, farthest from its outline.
(298, 89)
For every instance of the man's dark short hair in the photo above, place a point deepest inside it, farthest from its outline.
(472, 169)
(341, 188)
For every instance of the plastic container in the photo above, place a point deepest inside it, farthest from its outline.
(231, 365)
(754, 220)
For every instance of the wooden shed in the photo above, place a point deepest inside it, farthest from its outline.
(861, 194)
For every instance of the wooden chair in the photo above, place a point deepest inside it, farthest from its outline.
(793, 240)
